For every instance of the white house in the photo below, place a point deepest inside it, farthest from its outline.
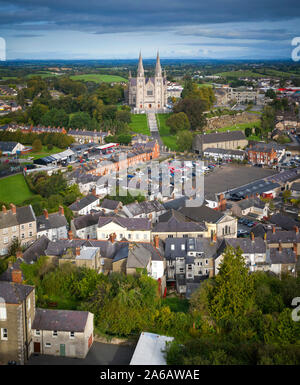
(85, 205)
(53, 226)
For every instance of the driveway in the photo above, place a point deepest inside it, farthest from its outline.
(99, 354)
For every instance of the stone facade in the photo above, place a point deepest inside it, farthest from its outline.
(147, 94)
(217, 122)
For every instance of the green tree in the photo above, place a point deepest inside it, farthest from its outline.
(37, 145)
(178, 122)
(185, 140)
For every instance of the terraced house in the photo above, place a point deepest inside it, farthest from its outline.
(18, 222)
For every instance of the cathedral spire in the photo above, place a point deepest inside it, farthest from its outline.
(140, 71)
(158, 72)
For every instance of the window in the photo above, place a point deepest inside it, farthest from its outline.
(5, 240)
(170, 236)
(5, 231)
(137, 236)
(72, 334)
(4, 335)
(47, 345)
(37, 333)
(30, 233)
(172, 247)
(30, 225)
(3, 314)
(182, 247)
(29, 323)
(22, 227)
(121, 236)
(145, 236)
(23, 236)
(54, 333)
(206, 261)
(28, 304)
(14, 228)
(129, 236)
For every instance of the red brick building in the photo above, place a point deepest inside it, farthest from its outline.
(262, 154)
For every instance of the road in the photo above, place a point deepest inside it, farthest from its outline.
(99, 354)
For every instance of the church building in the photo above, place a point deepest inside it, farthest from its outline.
(147, 94)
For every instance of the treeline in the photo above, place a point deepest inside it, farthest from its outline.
(123, 305)
(241, 319)
(56, 139)
(77, 107)
(51, 192)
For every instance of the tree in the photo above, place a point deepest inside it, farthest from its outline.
(123, 116)
(185, 140)
(232, 296)
(248, 131)
(178, 122)
(286, 195)
(37, 145)
(194, 109)
(270, 93)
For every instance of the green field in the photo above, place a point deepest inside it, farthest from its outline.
(42, 74)
(41, 154)
(139, 124)
(98, 78)
(241, 127)
(168, 139)
(205, 85)
(14, 189)
(239, 74)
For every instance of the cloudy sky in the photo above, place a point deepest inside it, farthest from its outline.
(118, 29)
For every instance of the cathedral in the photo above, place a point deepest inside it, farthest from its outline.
(147, 94)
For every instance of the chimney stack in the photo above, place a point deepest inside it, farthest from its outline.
(279, 247)
(214, 238)
(296, 229)
(295, 248)
(78, 250)
(19, 254)
(252, 236)
(16, 276)
(112, 237)
(273, 230)
(46, 213)
(4, 210)
(156, 241)
(13, 208)
(94, 191)
(70, 234)
(61, 210)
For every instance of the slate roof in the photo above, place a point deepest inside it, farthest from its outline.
(201, 214)
(107, 248)
(54, 221)
(250, 202)
(295, 187)
(146, 207)
(14, 293)
(204, 245)
(224, 151)
(7, 146)
(284, 221)
(60, 320)
(87, 220)
(84, 202)
(23, 215)
(284, 256)
(110, 204)
(283, 236)
(7, 274)
(177, 223)
(248, 246)
(175, 203)
(138, 256)
(129, 223)
(36, 249)
(222, 137)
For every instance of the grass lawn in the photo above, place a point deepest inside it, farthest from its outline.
(13, 189)
(42, 74)
(239, 126)
(41, 154)
(239, 74)
(139, 124)
(168, 139)
(98, 78)
(205, 85)
(176, 304)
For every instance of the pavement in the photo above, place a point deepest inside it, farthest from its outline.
(99, 354)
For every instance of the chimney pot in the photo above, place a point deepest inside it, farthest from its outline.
(296, 229)
(156, 241)
(252, 236)
(16, 276)
(13, 208)
(273, 230)
(46, 214)
(70, 234)
(77, 250)
(61, 210)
